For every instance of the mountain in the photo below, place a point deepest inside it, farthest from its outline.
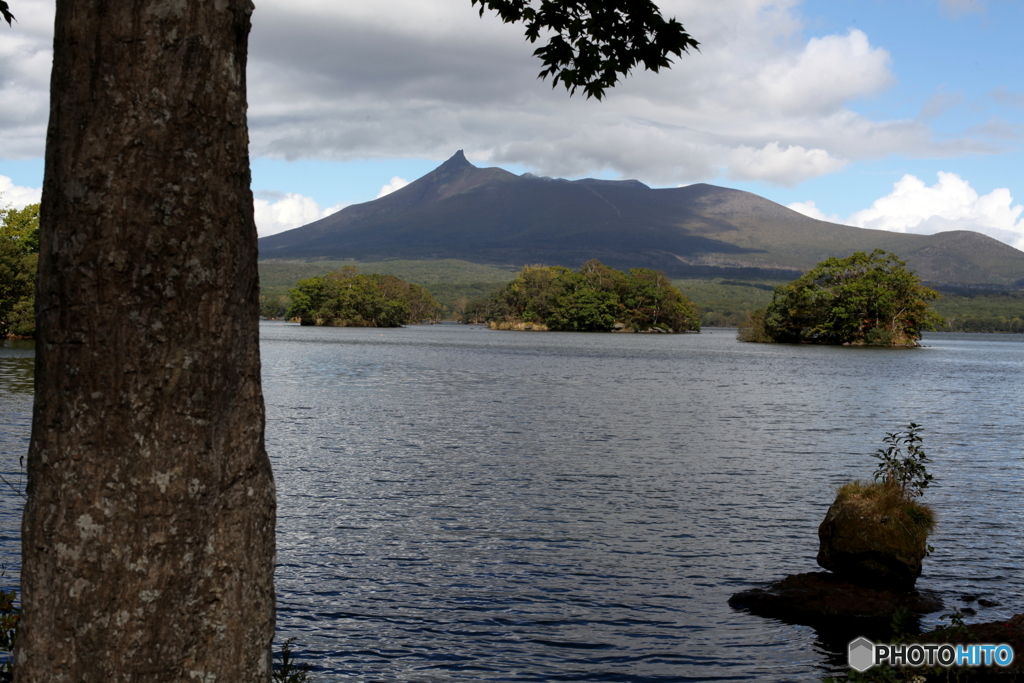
(488, 215)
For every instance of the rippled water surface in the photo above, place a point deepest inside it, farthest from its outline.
(16, 370)
(461, 504)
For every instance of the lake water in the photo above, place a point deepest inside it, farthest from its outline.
(460, 504)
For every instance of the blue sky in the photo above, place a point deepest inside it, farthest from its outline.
(903, 115)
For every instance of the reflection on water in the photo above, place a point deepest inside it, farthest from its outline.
(17, 357)
(16, 369)
(460, 504)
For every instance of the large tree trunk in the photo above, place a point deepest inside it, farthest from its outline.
(149, 530)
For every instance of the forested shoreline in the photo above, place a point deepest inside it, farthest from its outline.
(990, 325)
(722, 302)
(458, 289)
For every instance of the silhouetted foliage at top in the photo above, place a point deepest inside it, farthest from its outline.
(592, 299)
(595, 41)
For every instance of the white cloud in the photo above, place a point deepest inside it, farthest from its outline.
(350, 81)
(758, 102)
(17, 196)
(395, 184)
(26, 53)
(787, 166)
(277, 212)
(949, 204)
(809, 208)
(807, 80)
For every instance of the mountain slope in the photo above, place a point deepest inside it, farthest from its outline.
(492, 216)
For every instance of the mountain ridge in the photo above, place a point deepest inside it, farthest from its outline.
(489, 215)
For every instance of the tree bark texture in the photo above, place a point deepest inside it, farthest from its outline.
(148, 537)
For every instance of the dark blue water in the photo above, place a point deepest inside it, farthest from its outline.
(461, 504)
(17, 360)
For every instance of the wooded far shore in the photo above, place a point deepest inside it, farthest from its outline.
(722, 302)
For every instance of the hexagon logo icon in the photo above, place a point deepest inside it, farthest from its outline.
(862, 654)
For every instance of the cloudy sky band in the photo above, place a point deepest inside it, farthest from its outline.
(904, 115)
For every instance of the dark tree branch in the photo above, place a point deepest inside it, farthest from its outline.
(5, 10)
(595, 42)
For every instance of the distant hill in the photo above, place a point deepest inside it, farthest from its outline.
(491, 216)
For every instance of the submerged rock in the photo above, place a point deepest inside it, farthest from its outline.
(820, 597)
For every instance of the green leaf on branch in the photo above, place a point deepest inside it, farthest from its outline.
(903, 462)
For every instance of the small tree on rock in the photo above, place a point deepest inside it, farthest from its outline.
(876, 533)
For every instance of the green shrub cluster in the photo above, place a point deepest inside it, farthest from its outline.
(752, 329)
(19, 258)
(346, 298)
(274, 307)
(593, 299)
(901, 469)
(862, 300)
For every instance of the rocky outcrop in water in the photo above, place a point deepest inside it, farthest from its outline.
(819, 597)
(873, 539)
(870, 546)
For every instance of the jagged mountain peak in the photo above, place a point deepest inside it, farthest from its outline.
(456, 160)
(488, 215)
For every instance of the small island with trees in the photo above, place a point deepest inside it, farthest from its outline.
(346, 298)
(861, 300)
(596, 298)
